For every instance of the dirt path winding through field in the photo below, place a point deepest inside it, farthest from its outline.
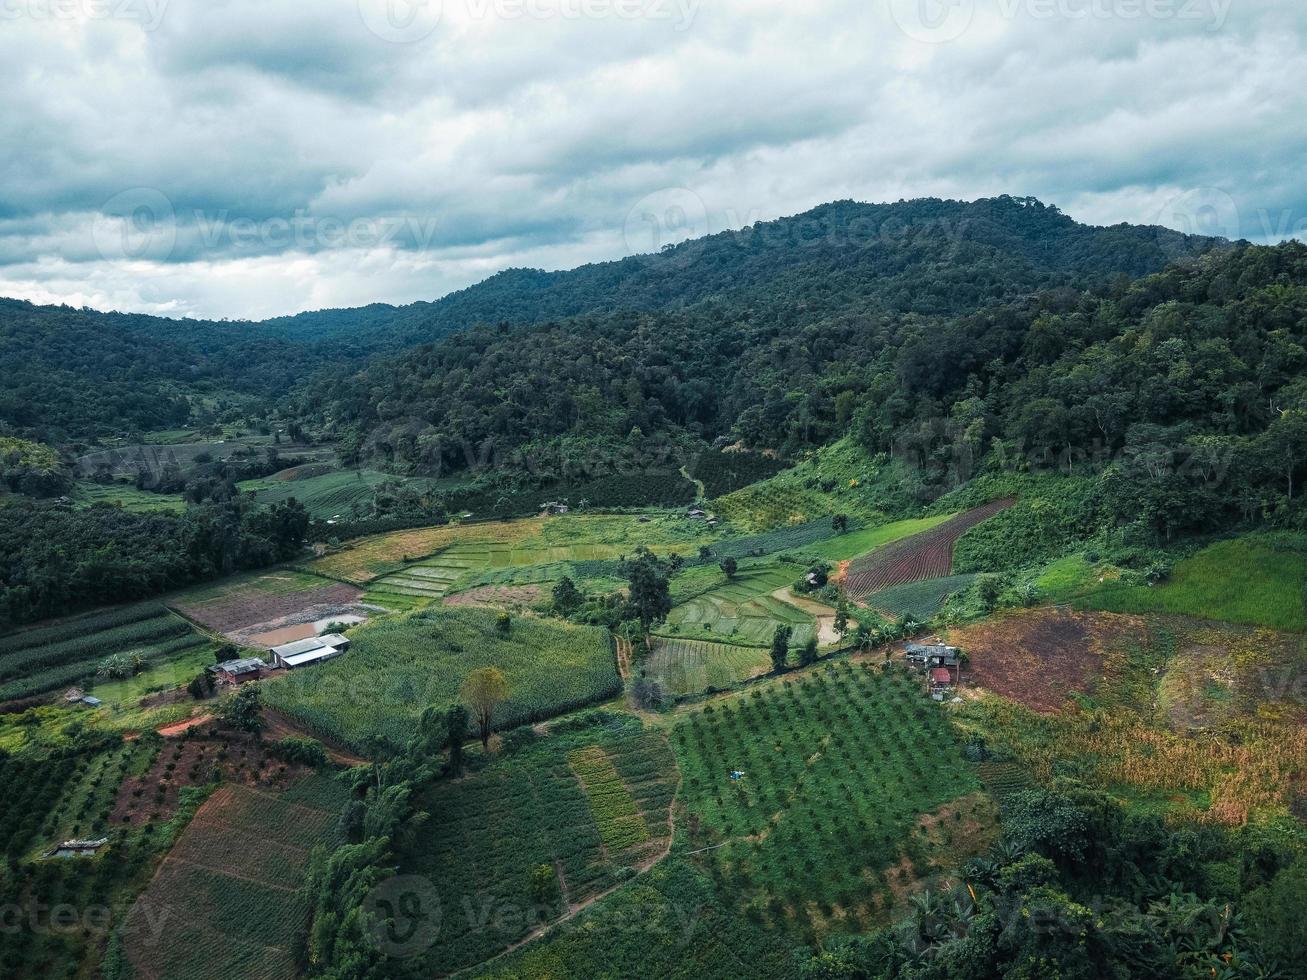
(819, 611)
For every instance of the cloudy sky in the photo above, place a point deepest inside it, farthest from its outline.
(248, 158)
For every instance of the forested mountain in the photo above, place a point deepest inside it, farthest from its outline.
(78, 373)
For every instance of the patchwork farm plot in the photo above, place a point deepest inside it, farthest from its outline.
(399, 665)
(236, 871)
(575, 810)
(333, 494)
(265, 608)
(690, 666)
(835, 771)
(913, 559)
(367, 559)
(742, 610)
(46, 658)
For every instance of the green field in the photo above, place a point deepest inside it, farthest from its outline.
(87, 493)
(46, 658)
(920, 600)
(584, 804)
(856, 543)
(334, 495)
(1254, 581)
(690, 666)
(242, 859)
(399, 665)
(742, 610)
(838, 765)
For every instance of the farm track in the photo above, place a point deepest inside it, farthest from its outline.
(923, 556)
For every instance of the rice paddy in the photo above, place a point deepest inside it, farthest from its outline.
(743, 610)
(682, 667)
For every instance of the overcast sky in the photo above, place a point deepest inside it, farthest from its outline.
(249, 158)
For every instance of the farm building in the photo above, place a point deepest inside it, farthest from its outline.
(931, 655)
(239, 671)
(75, 695)
(311, 650)
(941, 682)
(78, 848)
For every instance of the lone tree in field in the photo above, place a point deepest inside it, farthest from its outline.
(650, 592)
(780, 648)
(840, 523)
(455, 736)
(728, 566)
(567, 597)
(243, 710)
(483, 692)
(842, 618)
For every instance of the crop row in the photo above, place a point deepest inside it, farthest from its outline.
(922, 556)
(82, 670)
(620, 824)
(102, 643)
(82, 626)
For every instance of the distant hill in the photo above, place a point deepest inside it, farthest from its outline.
(78, 373)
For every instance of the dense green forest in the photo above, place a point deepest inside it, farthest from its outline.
(76, 373)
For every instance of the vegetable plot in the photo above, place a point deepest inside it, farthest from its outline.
(922, 556)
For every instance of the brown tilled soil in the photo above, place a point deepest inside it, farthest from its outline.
(240, 611)
(191, 762)
(1039, 657)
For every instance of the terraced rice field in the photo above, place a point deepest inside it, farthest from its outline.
(241, 860)
(743, 611)
(691, 666)
(922, 556)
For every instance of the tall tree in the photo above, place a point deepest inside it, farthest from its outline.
(780, 648)
(484, 691)
(456, 735)
(650, 597)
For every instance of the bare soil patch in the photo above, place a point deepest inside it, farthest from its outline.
(195, 761)
(280, 727)
(1039, 657)
(246, 616)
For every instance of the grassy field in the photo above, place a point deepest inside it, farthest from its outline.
(46, 658)
(824, 828)
(240, 860)
(583, 805)
(366, 559)
(690, 666)
(87, 493)
(1246, 580)
(399, 665)
(742, 610)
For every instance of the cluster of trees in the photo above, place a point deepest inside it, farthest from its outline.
(54, 558)
(33, 469)
(1081, 888)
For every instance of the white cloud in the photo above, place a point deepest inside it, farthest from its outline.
(306, 161)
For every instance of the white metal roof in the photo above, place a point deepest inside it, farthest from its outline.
(297, 659)
(299, 646)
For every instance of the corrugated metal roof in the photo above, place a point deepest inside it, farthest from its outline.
(298, 646)
(299, 659)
